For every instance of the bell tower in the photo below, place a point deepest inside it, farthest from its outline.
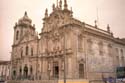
(22, 27)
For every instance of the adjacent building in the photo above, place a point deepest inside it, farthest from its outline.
(88, 51)
(5, 67)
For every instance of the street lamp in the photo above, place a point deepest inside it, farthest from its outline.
(64, 58)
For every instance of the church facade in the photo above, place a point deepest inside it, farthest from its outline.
(65, 43)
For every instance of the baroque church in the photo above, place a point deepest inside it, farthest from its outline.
(64, 46)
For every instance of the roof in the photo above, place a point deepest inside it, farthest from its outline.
(4, 62)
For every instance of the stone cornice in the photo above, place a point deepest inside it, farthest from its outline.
(5, 62)
(103, 36)
(24, 26)
(91, 30)
(97, 32)
(97, 29)
(25, 42)
(119, 41)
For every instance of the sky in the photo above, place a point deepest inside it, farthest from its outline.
(110, 12)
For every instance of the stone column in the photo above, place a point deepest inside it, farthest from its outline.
(61, 68)
(45, 65)
(69, 68)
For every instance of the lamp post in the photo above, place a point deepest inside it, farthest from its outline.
(37, 56)
(64, 58)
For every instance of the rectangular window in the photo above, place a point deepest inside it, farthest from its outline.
(80, 45)
(27, 50)
(31, 51)
(110, 50)
(81, 70)
(100, 44)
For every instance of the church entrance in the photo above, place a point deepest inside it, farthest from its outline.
(14, 75)
(56, 70)
(25, 72)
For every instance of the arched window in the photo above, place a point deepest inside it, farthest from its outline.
(100, 44)
(121, 52)
(90, 43)
(31, 70)
(110, 50)
(25, 70)
(27, 48)
(20, 70)
(122, 60)
(117, 51)
(31, 51)
(117, 56)
(81, 70)
(122, 57)
(17, 35)
(80, 43)
(21, 53)
(14, 73)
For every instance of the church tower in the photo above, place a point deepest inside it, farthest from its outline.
(22, 28)
(24, 47)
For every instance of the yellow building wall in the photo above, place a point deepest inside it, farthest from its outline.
(74, 81)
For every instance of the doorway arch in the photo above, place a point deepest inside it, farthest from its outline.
(25, 71)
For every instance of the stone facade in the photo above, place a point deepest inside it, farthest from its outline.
(87, 50)
(5, 68)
